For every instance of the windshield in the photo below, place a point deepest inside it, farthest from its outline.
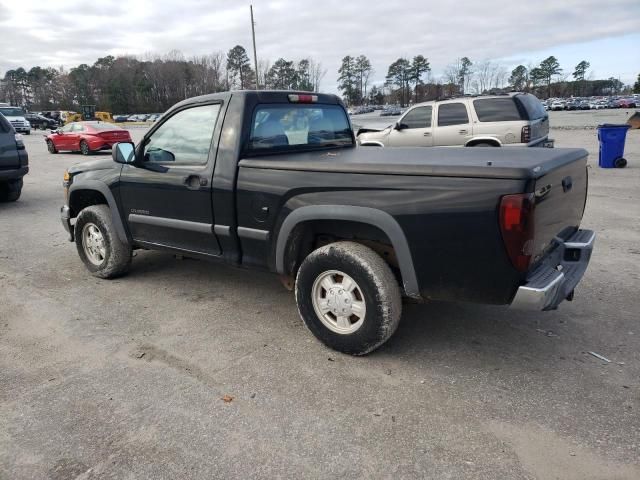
(12, 111)
(299, 127)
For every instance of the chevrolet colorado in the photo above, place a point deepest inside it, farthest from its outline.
(273, 180)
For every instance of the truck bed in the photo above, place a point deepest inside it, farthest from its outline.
(508, 163)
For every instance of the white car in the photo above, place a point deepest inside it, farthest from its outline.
(16, 117)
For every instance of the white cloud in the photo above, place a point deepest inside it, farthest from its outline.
(70, 32)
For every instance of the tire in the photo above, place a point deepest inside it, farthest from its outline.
(84, 148)
(376, 289)
(51, 147)
(106, 256)
(11, 191)
(28, 132)
(620, 162)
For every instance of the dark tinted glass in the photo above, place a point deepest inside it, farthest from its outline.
(419, 117)
(497, 110)
(532, 105)
(12, 111)
(298, 127)
(452, 114)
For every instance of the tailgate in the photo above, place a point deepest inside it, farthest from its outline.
(560, 199)
(539, 128)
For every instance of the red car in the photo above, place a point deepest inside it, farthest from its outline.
(86, 137)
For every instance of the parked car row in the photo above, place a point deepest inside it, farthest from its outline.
(590, 103)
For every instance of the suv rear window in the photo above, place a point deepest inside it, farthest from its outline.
(299, 127)
(497, 110)
(534, 108)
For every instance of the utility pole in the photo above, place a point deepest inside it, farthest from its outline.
(255, 55)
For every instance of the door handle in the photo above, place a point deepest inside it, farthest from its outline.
(194, 182)
(426, 134)
(463, 132)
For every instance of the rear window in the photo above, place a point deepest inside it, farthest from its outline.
(497, 110)
(534, 108)
(299, 127)
(104, 126)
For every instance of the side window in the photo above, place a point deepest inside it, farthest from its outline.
(452, 114)
(67, 128)
(419, 117)
(77, 127)
(185, 138)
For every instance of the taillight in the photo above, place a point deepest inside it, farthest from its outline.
(517, 227)
(297, 98)
(525, 137)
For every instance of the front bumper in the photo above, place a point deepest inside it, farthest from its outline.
(554, 280)
(65, 218)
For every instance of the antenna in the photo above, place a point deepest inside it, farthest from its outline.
(255, 55)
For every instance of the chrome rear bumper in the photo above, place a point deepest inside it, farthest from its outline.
(555, 278)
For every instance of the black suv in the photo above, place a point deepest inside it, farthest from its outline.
(14, 162)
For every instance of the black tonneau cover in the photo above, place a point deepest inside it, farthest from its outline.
(506, 162)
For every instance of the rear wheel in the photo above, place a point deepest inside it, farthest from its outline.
(348, 297)
(51, 147)
(84, 148)
(98, 244)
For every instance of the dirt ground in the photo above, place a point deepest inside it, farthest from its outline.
(125, 379)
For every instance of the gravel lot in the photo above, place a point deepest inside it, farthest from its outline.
(124, 379)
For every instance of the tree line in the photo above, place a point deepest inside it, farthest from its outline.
(151, 84)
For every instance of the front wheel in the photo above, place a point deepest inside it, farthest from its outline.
(51, 147)
(98, 244)
(348, 297)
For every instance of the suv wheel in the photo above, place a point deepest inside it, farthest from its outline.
(348, 297)
(11, 191)
(98, 244)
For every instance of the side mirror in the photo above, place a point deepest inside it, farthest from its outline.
(400, 126)
(123, 152)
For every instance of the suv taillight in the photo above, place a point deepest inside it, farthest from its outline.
(525, 137)
(19, 141)
(517, 228)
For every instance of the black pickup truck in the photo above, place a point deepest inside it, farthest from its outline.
(273, 180)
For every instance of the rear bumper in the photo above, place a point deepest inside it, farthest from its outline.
(14, 174)
(555, 278)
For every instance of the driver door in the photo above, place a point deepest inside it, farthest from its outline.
(166, 195)
(414, 129)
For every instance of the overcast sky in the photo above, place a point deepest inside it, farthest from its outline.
(69, 32)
